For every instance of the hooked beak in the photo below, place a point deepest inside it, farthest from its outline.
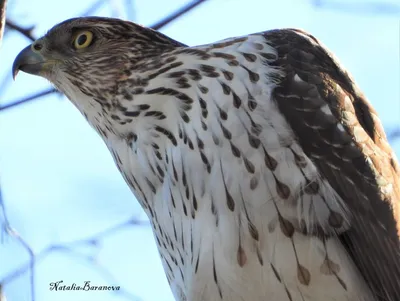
(29, 61)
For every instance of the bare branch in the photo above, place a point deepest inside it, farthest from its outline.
(26, 32)
(71, 249)
(5, 224)
(12, 232)
(176, 14)
(15, 103)
(3, 4)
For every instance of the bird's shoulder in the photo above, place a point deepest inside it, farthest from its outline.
(341, 132)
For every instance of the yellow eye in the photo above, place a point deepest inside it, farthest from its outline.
(83, 39)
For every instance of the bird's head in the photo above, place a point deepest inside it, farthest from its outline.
(88, 55)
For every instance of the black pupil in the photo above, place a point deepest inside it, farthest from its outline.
(82, 39)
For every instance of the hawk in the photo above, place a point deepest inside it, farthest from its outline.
(265, 172)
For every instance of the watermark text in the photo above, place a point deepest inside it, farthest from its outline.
(85, 286)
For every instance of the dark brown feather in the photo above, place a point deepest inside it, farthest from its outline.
(365, 164)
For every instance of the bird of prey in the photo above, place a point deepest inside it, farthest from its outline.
(265, 172)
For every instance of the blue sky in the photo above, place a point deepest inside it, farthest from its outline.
(58, 181)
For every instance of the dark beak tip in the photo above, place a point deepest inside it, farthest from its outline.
(27, 61)
(20, 58)
(15, 68)
(15, 72)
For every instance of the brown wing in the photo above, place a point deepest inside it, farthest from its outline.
(350, 149)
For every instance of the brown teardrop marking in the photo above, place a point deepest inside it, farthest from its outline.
(335, 219)
(299, 159)
(328, 267)
(235, 150)
(282, 189)
(303, 275)
(287, 227)
(241, 256)
(249, 57)
(249, 165)
(269, 161)
(253, 183)
(228, 75)
(253, 231)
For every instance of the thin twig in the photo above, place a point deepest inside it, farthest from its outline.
(70, 248)
(31, 265)
(5, 224)
(12, 104)
(26, 32)
(175, 15)
(91, 241)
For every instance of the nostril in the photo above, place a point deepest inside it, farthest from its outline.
(37, 46)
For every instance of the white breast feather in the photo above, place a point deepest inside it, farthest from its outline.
(231, 263)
